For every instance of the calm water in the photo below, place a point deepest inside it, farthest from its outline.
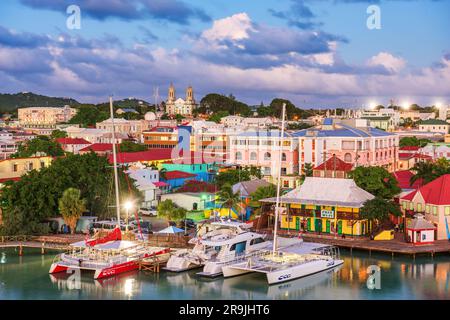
(401, 278)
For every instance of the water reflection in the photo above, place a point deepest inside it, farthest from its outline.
(401, 278)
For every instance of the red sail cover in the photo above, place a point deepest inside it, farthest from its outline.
(114, 235)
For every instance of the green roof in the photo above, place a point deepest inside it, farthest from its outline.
(376, 118)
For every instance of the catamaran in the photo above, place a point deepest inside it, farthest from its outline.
(223, 241)
(108, 255)
(280, 265)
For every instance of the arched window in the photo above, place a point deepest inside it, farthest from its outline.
(267, 156)
(238, 155)
(348, 157)
(283, 156)
(253, 156)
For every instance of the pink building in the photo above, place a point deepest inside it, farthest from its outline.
(262, 148)
(359, 145)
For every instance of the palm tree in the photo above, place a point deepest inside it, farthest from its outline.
(269, 191)
(424, 171)
(229, 199)
(71, 207)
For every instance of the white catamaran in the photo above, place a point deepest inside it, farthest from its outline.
(110, 255)
(286, 264)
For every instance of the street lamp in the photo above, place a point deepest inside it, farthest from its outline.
(128, 206)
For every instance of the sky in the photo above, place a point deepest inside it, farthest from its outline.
(317, 53)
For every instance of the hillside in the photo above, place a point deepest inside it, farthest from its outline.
(10, 102)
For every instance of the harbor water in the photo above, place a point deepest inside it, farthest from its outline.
(26, 277)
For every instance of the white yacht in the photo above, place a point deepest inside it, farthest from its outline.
(221, 242)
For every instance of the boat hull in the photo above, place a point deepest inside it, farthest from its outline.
(301, 271)
(57, 268)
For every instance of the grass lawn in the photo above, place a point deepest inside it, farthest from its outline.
(196, 215)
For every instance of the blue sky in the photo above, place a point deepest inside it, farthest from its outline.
(318, 53)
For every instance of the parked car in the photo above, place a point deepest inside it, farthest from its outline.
(151, 212)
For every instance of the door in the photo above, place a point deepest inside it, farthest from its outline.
(318, 226)
(340, 227)
(297, 223)
(328, 226)
(308, 224)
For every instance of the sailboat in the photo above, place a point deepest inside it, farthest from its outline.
(288, 263)
(109, 255)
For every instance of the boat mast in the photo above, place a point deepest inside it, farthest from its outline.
(116, 176)
(277, 203)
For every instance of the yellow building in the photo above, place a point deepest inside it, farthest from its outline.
(12, 169)
(325, 205)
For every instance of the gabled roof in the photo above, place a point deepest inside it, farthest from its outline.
(434, 122)
(403, 177)
(98, 147)
(326, 191)
(149, 155)
(335, 163)
(176, 174)
(437, 192)
(72, 141)
(246, 188)
(419, 223)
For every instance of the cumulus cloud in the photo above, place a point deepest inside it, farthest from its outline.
(390, 62)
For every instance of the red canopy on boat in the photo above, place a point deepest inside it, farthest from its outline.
(114, 235)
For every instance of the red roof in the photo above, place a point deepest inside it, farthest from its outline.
(160, 184)
(9, 179)
(176, 174)
(422, 156)
(409, 148)
(72, 141)
(149, 155)
(334, 163)
(403, 177)
(98, 147)
(437, 192)
(405, 156)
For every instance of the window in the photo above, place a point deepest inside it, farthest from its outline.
(253, 156)
(348, 157)
(447, 211)
(427, 208)
(434, 210)
(419, 207)
(411, 206)
(15, 167)
(405, 205)
(283, 156)
(238, 155)
(266, 171)
(267, 156)
(256, 241)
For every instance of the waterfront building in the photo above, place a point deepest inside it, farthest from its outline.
(333, 168)
(420, 231)
(357, 144)
(179, 106)
(146, 181)
(191, 200)
(436, 150)
(73, 145)
(325, 205)
(433, 201)
(435, 126)
(13, 169)
(44, 117)
(262, 148)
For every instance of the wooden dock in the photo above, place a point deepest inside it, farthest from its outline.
(154, 263)
(44, 243)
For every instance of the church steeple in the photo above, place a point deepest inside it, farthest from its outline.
(190, 95)
(171, 95)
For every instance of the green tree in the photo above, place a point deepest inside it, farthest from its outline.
(269, 191)
(217, 116)
(413, 142)
(88, 115)
(379, 210)
(229, 199)
(307, 171)
(58, 134)
(214, 102)
(169, 210)
(231, 176)
(429, 171)
(376, 180)
(71, 207)
(130, 146)
(292, 112)
(28, 202)
(40, 144)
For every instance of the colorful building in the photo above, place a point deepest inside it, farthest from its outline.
(333, 168)
(354, 142)
(177, 178)
(325, 205)
(433, 201)
(13, 169)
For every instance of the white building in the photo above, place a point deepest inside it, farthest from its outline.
(44, 117)
(179, 106)
(146, 181)
(436, 150)
(435, 126)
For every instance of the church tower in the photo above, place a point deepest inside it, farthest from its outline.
(190, 95)
(171, 96)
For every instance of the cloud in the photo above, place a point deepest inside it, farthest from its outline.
(299, 15)
(12, 38)
(175, 11)
(388, 61)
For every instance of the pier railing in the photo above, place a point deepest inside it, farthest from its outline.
(17, 238)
